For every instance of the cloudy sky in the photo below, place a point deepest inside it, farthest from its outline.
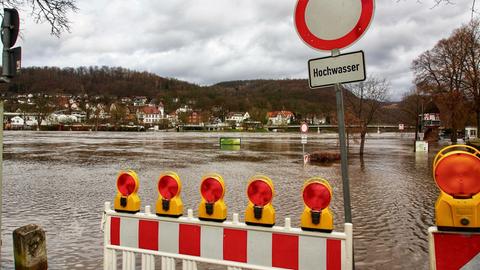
(208, 41)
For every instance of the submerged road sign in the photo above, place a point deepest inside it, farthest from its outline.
(304, 128)
(326, 71)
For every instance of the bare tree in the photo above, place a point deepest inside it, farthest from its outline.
(471, 35)
(118, 113)
(451, 2)
(366, 103)
(44, 106)
(410, 104)
(440, 72)
(54, 12)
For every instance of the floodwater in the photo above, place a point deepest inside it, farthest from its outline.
(60, 180)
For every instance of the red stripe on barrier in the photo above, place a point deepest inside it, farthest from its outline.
(189, 240)
(148, 234)
(334, 254)
(235, 245)
(452, 251)
(284, 251)
(115, 231)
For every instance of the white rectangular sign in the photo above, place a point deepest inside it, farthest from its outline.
(304, 138)
(344, 68)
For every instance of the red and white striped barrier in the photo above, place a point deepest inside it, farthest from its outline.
(453, 250)
(232, 244)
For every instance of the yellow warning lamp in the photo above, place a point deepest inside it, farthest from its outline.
(169, 202)
(317, 216)
(456, 170)
(260, 211)
(127, 199)
(212, 207)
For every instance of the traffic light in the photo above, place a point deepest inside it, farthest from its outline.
(260, 193)
(212, 207)
(316, 216)
(11, 57)
(169, 202)
(127, 199)
(456, 170)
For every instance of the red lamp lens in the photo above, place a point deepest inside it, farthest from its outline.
(316, 196)
(458, 175)
(168, 187)
(126, 184)
(211, 190)
(259, 193)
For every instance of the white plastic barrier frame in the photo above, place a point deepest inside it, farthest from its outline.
(263, 247)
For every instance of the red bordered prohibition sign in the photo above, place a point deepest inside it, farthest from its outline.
(328, 43)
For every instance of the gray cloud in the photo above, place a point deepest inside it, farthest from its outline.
(209, 41)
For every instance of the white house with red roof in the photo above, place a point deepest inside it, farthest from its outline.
(278, 118)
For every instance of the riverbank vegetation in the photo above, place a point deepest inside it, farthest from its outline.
(449, 75)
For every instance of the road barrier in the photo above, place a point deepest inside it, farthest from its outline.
(231, 243)
(455, 242)
(210, 239)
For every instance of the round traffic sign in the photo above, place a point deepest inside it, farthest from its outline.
(304, 128)
(329, 25)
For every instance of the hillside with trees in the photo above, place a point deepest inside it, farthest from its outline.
(110, 84)
(257, 96)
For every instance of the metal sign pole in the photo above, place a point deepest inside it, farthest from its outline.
(303, 153)
(343, 149)
(1, 169)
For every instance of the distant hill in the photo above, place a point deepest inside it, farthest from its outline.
(109, 81)
(294, 95)
(255, 96)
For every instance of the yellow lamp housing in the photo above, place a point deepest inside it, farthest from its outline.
(212, 207)
(456, 171)
(317, 216)
(169, 202)
(127, 199)
(260, 211)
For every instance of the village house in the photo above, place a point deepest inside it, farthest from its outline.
(126, 100)
(99, 112)
(278, 118)
(62, 117)
(183, 109)
(151, 115)
(471, 133)
(17, 122)
(236, 118)
(139, 101)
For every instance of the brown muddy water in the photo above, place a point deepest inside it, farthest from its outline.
(60, 180)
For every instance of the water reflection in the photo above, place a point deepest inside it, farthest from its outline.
(60, 181)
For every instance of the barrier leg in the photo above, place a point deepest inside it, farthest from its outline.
(128, 260)
(189, 265)
(110, 260)
(148, 262)
(349, 245)
(168, 263)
